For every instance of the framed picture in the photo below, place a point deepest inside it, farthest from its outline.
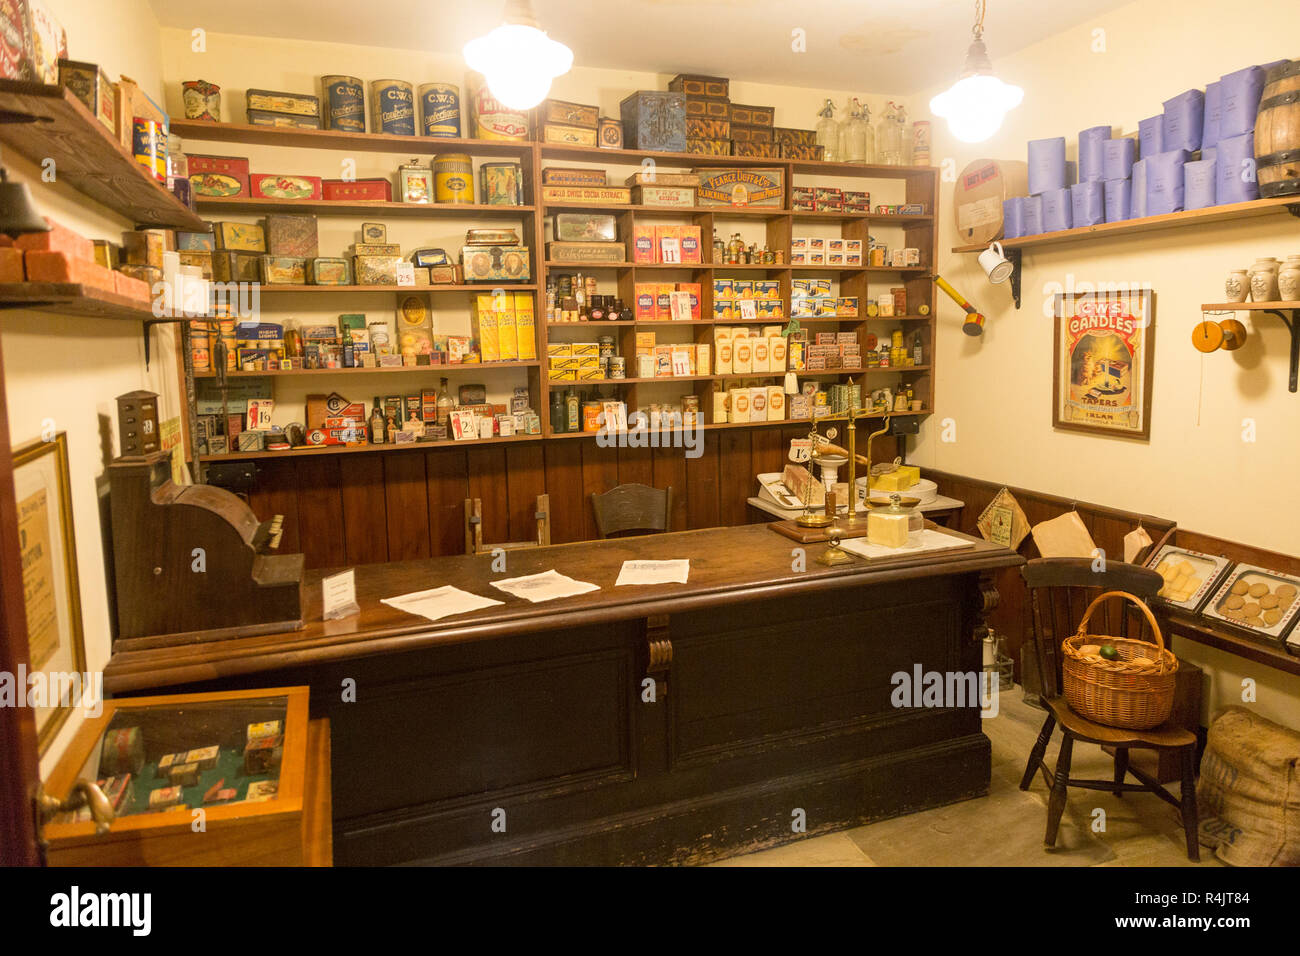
(56, 645)
(1103, 358)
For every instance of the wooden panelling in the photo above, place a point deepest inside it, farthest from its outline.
(408, 507)
(487, 482)
(448, 487)
(361, 490)
(599, 474)
(564, 485)
(525, 479)
(318, 494)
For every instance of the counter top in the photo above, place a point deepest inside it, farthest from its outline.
(727, 565)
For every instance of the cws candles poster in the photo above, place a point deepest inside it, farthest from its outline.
(1104, 350)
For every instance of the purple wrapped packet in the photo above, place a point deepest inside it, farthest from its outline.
(1138, 201)
(1046, 164)
(1164, 175)
(1198, 184)
(1151, 136)
(1213, 113)
(1087, 204)
(1013, 217)
(1234, 169)
(1058, 212)
(1090, 152)
(1119, 197)
(1240, 101)
(1033, 222)
(1184, 120)
(1117, 158)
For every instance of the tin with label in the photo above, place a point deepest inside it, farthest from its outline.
(617, 366)
(453, 178)
(394, 107)
(440, 109)
(591, 416)
(343, 101)
(150, 147)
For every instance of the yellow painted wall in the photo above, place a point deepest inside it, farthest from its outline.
(1197, 469)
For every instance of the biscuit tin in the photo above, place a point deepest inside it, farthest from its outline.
(588, 195)
(235, 266)
(566, 135)
(564, 176)
(353, 190)
(273, 101)
(453, 178)
(492, 119)
(291, 236)
(283, 270)
(392, 105)
(344, 103)
(287, 120)
(563, 113)
(440, 109)
(220, 177)
(278, 186)
(741, 187)
(88, 83)
(414, 182)
(694, 84)
(501, 184)
(492, 263)
(654, 120)
(239, 236)
(329, 271)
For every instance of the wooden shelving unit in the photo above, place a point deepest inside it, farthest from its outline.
(920, 184)
(468, 367)
(47, 123)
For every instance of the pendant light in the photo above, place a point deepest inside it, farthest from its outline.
(975, 105)
(518, 59)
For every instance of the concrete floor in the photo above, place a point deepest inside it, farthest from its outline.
(1006, 827)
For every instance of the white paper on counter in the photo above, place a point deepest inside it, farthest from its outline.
(653, 572)
(545, 586)
(917, 543)
(437, 603)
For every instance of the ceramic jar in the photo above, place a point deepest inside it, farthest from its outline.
(1238, 286)
(1288, 279)
(1263, 280)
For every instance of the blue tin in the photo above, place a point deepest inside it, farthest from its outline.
(345, 103)
(440, 109)
(654, 120)
(394, 107)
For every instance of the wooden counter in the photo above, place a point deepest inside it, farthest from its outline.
(771, 692)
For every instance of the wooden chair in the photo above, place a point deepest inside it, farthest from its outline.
(474, 528)
(632, 509)
(1060, 589)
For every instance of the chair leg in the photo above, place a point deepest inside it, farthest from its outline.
(1121, 767)
(1040, 748)
(1188, 795)
(1056, 802)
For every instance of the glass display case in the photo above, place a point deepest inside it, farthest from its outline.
(188, 778)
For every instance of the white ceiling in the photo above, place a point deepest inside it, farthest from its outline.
(894, 46)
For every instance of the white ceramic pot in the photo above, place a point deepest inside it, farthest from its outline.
(1263, 280)
(1237, 287)
(1288, 279)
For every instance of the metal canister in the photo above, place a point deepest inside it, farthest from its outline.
(617, 366)
(591, 415)
(690, 403)
(453, 177)
(440, 109)
(344, 103)
(150, 147)
(394, 107)
(606, 343)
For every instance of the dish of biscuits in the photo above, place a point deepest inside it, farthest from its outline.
(1189, 576)
(1257, 599)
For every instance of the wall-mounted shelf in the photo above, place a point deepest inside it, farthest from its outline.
(1288, 312)
(337, 139)
(324, 289)
(398, 370)
(69, 298)
(369, 207)
(47, 123)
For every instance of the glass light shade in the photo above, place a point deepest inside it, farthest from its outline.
(519, 63)
(975, 105)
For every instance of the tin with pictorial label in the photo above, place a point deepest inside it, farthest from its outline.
(150, 147)
(440, 109)
(343, 102)
(393, 109)
(453, 178)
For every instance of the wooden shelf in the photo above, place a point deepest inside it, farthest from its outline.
(1204, 632)
(803, 373)
(46, 122)
(1249, 306)
(717, 426)
(811, 167)
(364, 208)
(759, 212)
(1194, 217)
(399, 370)
(880, 218)
(313, 450)
(72, 299)
(337, 139)
(634, 157)
(475, 287)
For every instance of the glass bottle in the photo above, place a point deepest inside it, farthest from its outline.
(349, 353)
(828, 132)
(853, 138)
(558, 415)
(904, 137)
(889, 137)
(445, 403)
(292, 343)
(918, 350)
(719, 249)
(868, 135)
(377, 422)
(735, 249)
(571, 407)
(580, 292)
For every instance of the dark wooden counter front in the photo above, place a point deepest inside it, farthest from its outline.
(664, 723)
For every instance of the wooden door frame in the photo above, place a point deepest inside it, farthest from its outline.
(19, 760)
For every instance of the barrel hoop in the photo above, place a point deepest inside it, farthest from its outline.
(1282, 70)
(1282, 99)
(1283, 187)
(1276, 159)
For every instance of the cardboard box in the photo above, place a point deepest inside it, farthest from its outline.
(978, 194)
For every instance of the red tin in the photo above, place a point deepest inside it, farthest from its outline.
(343, 190)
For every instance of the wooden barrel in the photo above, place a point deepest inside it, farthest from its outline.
(1277, 132)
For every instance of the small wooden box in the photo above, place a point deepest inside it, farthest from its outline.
(282, 831)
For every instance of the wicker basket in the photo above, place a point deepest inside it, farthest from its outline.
(1135, 692)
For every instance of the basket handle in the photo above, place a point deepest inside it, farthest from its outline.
(1151, 618)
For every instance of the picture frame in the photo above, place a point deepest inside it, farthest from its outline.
(52, 591)
(1103, 356)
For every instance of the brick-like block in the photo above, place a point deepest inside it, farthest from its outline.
(56, 267)
(11, 264)
(58, 239)
(131, 287)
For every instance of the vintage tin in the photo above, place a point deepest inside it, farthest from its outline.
(376, 249)
(752, 134)
(88, 83)
(392, 107)
(279, 186)
(427, 258)
(344, 101)
(235, 266)
(199, 258)
(453, 177)
(563, 113)
(797, 137)
(363, 190)
(440, 109)
(709, 109)
(292, 236)
(741, 187)
(564, 176)
(329, 271)
(374, 232)
(677, 197)
(414, 182)
(273, 101)
(492, 119)
(491, 236)
(761, 150)
(588, 195)
(239, 236)
(501, 184)
(566, 135)
(709, 147)
(693, 84)
(149, 144)
(286, 120)
(376, 270)
(609, 133)
(793, 151)
(493, 263)
(220, 177)
(202, 100)
(586, 252)
(699, 127)
(581, 227)
(654, 120)
(658, 177)
(754, 115)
